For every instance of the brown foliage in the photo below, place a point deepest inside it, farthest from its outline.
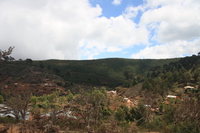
(188, 111)
(19, 104)
(41, 126)
(5, 54)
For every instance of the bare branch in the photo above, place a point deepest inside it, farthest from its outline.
(5, 54)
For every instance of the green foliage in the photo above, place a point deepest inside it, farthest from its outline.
(29, 61)
(103, 90)
(161, 80)
(46, 102)
(147, 85)
(45, 105)
(69, 96)
(1, 99)
(162, 107)
(137, 114)
(157, 124)
(34, 100)
(106, 112)
(168, 116)
(120, 115)
(186, 127)
(104, 72)
(41, 64)
(92, 105)
(7, 120)
(196, 74)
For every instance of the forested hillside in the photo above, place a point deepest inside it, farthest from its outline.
(176, 74)
(104, 72)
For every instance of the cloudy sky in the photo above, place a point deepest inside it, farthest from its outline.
(94, 29)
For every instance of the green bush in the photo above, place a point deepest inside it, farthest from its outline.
(5, 120)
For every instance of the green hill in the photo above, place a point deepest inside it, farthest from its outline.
(110, 72)
(104, 72)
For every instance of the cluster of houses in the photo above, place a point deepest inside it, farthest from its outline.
(59, 114)
(130, 103)
(8, 112)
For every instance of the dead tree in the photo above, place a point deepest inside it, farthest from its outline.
(19, 104)
(5, 54)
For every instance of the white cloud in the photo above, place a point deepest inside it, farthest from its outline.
(116, 2)
(56, 29)
(132, 12)
(116, 32)
(63, 29)
(177, 20)
(173, 25)
(113, 49)
(169, 50)
(44, 30)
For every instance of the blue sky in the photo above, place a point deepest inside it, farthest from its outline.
(94, 29)
(113, 10)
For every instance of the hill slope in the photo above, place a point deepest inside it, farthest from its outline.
(105, 72)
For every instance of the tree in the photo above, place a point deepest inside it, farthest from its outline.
(69, 96)
(19, 104)
(120, 114)
(47, 103)
(1, 99)
(126, 74)
(91, 105)
(186, 77)
(185, 116)
(136, 114)
(176, 76)
(196, 74)
(147, 85)
(5, 54)
(29, 61)
(41, 64)
(49, 67)
(124, 114)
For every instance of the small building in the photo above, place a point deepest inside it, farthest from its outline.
(126, 99)
(112, 93)
(146, 105)
(135, 102)
(2, 115)
(10, 115)
(171, 96)
(66, 114)
(189, 87)
(2, 106)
